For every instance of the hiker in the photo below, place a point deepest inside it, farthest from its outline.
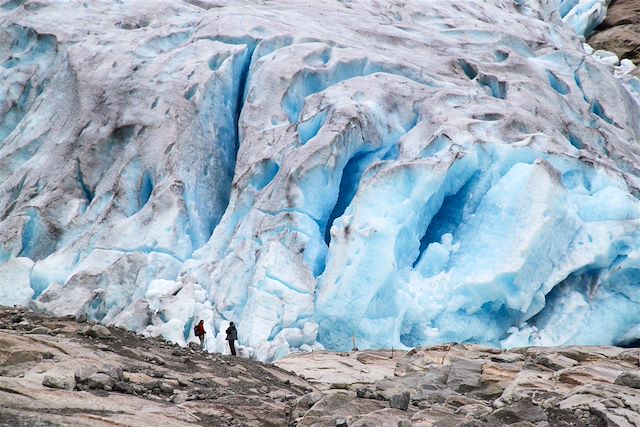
(200, 332)
(232, 335)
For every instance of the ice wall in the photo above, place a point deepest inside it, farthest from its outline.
(404, 173)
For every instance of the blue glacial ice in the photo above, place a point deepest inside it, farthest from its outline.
(401, 173)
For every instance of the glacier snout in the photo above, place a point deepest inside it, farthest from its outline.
(399, 172)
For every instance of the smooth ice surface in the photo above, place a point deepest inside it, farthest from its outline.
(398, 172)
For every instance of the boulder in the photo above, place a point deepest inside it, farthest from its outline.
(101, 381)
(629, 379)
(632, 356)
(522, 410)
(303, 403)
(179, 398)
(165, 388)
(114, 372)
(495, 377)
(97, 331)
(456, 401)
(434, 377)
(555, 361)
(400, 401)
(464, 375)
(157, 360)
(61, 382)
(604, 372)
(82, 374)
(474, 410)
(426, 398)
(389, 386)
(123, 387)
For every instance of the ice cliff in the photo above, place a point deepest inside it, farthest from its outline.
(402, 172)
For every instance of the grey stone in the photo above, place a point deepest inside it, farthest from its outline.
(179, 398)
(629, 379)
(25, 325)
(341, 422)
(464, 375)
(404, 423)
(82, 318)
(434, 377)
(58, 381)
(303, 403)
(309, 399)
(522, 410)
(101, 381)
(82, 375)
(114, 372)
(123, 387)
(426, 398)
(554, 361)
(400, 401)
(367, 393)
(97, 331)
(157, 360)
(165, 388)
(475, 410)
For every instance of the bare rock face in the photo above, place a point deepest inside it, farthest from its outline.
(620, 31)
(571, 386)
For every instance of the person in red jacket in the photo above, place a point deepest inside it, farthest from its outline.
(200, 332)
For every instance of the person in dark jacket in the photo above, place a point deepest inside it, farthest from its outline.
(232, 336)
(200, 332)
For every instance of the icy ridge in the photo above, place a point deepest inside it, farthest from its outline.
(398, 172)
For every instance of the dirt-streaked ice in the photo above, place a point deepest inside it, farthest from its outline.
(401, 172)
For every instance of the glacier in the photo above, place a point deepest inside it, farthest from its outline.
(394, 173)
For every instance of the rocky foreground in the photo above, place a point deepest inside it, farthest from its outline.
(60, 371)
(56, 371)
(468, 385)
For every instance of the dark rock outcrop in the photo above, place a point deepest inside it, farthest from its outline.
(620, 31)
